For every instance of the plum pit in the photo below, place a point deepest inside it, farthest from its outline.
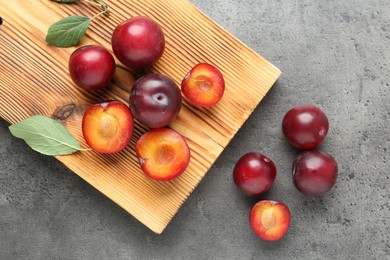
(108, 126)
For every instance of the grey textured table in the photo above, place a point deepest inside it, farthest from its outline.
(334, 54)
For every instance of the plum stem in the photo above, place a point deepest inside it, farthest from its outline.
(98, 3)
(92, 3)
(98, 14)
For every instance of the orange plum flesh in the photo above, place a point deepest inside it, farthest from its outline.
(163, 154)
(270, 220)
(108, 126)
(204, 85)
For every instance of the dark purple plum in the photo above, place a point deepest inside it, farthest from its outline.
(138, 42)
(91, 67)
(155, 100)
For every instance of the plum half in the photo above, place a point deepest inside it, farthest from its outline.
(108, 126)
(204, 85)
(270, 220)
(163, 154)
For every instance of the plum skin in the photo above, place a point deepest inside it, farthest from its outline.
(155, 100)
(254, 173)
(138, 42)
(314, 173)
(305, 126)
(91, 67)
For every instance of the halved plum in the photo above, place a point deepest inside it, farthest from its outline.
(204, 85)
(270, 220)
(108, 126)
(163, 154)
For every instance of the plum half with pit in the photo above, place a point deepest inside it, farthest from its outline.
(155, 100)
(138, 42)
(107, 126)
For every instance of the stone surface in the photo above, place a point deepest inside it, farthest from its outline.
(334, 54)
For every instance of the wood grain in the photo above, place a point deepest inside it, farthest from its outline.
(34, 79)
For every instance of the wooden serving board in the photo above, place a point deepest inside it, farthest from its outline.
(34, 79)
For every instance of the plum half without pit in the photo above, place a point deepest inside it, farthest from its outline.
(270, 220)
(163, 154)
(204, 85)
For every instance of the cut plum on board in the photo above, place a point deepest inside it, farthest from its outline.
(108, 126)
(163, 154)
(204, 85)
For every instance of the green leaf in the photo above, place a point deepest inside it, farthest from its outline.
(67, 31)
(45, 135)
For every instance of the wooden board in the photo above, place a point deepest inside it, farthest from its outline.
(34, 79)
